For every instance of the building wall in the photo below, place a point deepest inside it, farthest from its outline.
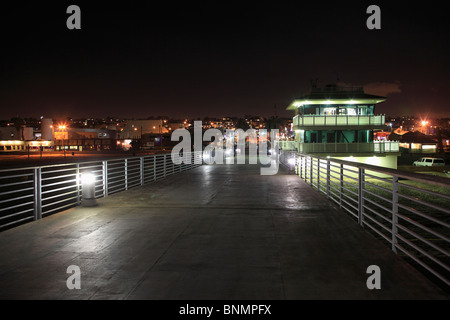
(47, 129)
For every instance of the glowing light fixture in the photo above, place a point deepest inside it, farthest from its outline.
(88, 190)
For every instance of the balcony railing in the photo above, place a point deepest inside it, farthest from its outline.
(407, 211)
(369, 147)
(338, 120)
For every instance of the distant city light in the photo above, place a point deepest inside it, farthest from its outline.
(87, 179)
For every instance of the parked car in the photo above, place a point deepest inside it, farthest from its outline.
(429, 162)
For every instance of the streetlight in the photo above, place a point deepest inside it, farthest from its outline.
(62, 128)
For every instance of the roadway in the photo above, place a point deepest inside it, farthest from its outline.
(220, 232)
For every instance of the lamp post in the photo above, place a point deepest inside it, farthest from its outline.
(62, 128)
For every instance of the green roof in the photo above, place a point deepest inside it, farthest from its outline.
(335, 95)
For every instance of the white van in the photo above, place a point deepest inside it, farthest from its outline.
(429, 162)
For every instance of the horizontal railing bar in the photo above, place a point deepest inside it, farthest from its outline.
(350, 191)
(423, 215)
(378, 178)
(378, 214)
(378, 187)
(57, 183)
(59, 208)
(57, 189)
(15, 214)
(15, 191)
(59, 195)
(73, 168)
(433, 193)
(350, 212)
(16, 183)
(381, 234)
(17, 198)
(349, 184)
(58, 177)
(349, 204)
(421, 226)
(84, 170)
(59, 201)
(15, 222)
(17, 176)
(410, 255)
(377, 196)
(427, 204)
(378, 223)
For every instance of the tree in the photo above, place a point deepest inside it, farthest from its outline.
(135, 145)
(18, 123)
(242, 124)
(274, 123)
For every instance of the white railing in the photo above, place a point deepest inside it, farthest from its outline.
(408, 211)
(28, 194)
(338, 120)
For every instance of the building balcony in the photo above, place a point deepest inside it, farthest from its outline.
(376, 147)
(348, 122)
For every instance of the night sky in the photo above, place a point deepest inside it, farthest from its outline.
(218, 58)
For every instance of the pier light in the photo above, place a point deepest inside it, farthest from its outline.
(88, 189)
(291, 161)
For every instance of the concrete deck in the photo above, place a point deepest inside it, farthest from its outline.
(215, 232)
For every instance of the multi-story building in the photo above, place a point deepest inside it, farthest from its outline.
(339, 122)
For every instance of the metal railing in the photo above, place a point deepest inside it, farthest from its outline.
(28, 194)
(407, 211)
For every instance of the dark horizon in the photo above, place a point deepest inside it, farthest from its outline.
(199, 59)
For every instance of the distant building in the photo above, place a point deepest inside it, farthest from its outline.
(134, 129)
(415, 142)
(24, 139)
(339, 122)
(79, 139)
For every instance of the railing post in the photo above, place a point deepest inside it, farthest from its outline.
(394, 212)
(164, 159)
(105, 178)
(318, 175)
(328, 178)
(37, 178)
(141, 169)
(310, 171)
(126, 174)
(360, 196)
